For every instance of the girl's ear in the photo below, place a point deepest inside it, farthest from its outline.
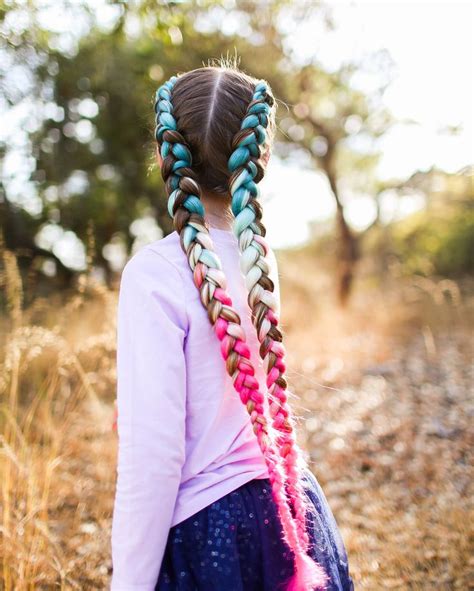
(158, 156)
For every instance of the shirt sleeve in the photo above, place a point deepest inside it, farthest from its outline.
(151, 403)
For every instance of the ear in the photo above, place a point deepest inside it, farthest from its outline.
(158, 156)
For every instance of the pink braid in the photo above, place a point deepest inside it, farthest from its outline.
(245, 165)
(246, 385)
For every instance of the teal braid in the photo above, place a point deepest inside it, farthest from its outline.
(165, 121)
(245, 166)
(246, 145)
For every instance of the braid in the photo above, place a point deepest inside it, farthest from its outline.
(246, 171)
(187, 211)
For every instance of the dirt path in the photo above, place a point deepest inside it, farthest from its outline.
(393, 452)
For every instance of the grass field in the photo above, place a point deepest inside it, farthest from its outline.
(383, 390)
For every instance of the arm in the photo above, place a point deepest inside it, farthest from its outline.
(151, 401)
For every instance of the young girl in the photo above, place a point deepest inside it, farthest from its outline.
(213, 493)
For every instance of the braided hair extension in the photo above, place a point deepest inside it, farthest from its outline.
(187, 211)
(246, 171)
(245, 167)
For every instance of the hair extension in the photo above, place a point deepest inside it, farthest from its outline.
(183, 187)
(246, 170)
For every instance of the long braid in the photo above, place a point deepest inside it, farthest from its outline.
(246, 171)
(187, 211)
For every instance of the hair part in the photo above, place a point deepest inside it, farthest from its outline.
(209, 105)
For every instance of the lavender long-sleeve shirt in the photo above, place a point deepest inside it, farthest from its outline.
(185, 438)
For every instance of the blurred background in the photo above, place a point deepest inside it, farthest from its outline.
(368, 202)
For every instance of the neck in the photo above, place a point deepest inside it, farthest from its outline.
(218, 211)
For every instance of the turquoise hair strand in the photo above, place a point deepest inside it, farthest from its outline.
(243, 187)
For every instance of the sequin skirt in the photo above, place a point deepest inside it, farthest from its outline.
(235, 544)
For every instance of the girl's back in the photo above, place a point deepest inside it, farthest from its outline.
(192, 430)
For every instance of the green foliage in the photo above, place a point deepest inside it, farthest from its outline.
(93, 146)
(440, 242)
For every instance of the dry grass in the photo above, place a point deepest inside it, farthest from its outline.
(386, 404)
(57, 456)
(385, 388)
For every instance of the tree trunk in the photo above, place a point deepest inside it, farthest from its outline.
(347, 243)
(347, 252)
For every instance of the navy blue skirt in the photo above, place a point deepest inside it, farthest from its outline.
(236, 544)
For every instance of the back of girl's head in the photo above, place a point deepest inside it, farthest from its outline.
(209, 104)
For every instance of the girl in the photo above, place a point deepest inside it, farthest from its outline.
(212, 491)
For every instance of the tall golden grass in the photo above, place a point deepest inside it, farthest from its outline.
(57, 384)
(400, 494)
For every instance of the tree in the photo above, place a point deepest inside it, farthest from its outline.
(94, 145)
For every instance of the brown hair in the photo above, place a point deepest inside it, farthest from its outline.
(214, 131)
(209, 105)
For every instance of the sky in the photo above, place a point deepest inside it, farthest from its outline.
(431, 44)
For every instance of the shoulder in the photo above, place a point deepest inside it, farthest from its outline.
(154, 259)
(153, 277)
(170, 249)
(274, 275)
(272, 262)
(272, 257)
